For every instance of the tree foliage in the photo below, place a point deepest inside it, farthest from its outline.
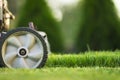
(99, 27)
(38, 12)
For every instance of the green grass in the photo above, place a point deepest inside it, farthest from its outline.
(88, 59)
(87, 66)
(61, 73)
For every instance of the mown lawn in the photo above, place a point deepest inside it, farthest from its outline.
(61, 73)
(85, 66)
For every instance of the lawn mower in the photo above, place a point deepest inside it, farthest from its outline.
(22, 47)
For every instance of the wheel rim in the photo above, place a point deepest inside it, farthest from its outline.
(22, 50)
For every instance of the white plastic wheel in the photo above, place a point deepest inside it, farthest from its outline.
(23, 48)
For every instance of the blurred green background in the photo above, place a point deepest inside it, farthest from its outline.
(72, 25)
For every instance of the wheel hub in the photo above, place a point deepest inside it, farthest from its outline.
(22, 52)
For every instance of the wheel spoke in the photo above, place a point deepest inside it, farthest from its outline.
(10, 48)
(35, 56)
(36, 53)
(9, 57)
(20, 63)
(31, 63)
(37, 47)
(30, 41)
(13, 41)
(22, 39)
